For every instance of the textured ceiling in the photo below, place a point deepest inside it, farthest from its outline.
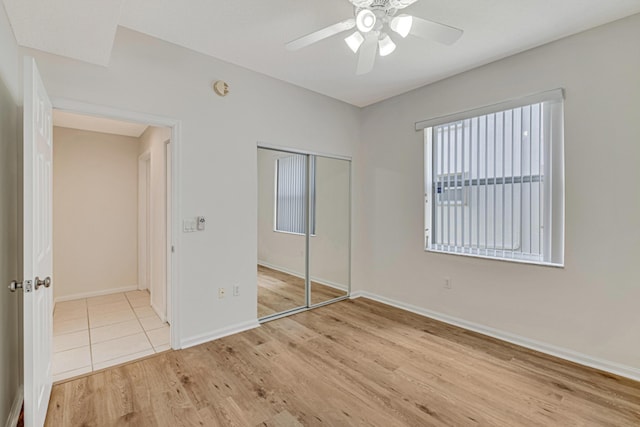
(252, 34)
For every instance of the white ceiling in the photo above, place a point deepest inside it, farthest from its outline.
(252, 34)
(97, 124)
(79, 29)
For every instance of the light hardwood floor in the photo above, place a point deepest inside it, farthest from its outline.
(352, 363)
(278, 292)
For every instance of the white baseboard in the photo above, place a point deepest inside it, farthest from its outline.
(161, 315)
(301, 276)
(219, 333)
(16, 406)
(96, 293)
(562, 353)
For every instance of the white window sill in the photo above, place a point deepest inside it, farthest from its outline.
(515, 260)
(289, 232)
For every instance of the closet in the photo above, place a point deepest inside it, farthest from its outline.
(304, 230)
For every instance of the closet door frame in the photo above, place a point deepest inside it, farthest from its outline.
(307, 279)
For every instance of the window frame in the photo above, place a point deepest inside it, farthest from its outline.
(553, 231)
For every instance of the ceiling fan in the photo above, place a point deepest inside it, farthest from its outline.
(372, 20)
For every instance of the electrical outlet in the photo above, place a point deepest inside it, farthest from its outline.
(447, 283)
(236, 290)
(221, 293)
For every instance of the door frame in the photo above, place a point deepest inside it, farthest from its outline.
(168, 165)
(144, 223)
(173, 210)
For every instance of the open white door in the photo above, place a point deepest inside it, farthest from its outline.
(38, 265)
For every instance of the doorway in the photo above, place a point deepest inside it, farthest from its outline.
(304, 222)
(111, 242)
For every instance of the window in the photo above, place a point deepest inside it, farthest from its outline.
(494, 181)
(291, 176)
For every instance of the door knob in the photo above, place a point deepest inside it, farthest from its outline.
(39, 282)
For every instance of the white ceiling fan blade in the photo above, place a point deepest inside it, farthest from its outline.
(322, 34)
(431, 30)
(367, 56)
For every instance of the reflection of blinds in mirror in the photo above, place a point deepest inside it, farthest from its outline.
(290, 193)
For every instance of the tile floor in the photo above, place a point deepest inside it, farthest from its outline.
(94, 333)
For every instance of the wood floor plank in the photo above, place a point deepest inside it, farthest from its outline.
(352, 363)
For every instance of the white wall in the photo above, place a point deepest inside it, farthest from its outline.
(95, 212)
(591, 305)
(153, 141)
(10, 303)
(217, 156)
(329, 247)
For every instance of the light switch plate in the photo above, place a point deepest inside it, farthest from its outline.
(189, 225)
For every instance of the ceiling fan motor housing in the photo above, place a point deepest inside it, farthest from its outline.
(383, 15)
(384, 10)
(387, 5)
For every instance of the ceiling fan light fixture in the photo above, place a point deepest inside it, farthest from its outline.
(386, 46)
(365, 20)
(354, 41)
(402, 24)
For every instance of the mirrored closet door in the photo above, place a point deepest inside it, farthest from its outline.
(303, 231)
(281, 232)
(329, 267)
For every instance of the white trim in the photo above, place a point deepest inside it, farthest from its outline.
(74, 106)
(301, 276)
(495, 258)
(293, 232)
(266, 146)
(159, 312)
(562, 353)
(361, 294)
(16, 406)
(144, 207)
(174, 244)
(176, 209)
(96, 293)
(168, 225)
(219, 333)
(550, 95)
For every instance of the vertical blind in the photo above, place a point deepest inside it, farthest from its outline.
(487, 189)
(291, 177)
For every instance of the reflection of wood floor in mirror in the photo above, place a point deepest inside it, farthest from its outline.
(278, 292)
